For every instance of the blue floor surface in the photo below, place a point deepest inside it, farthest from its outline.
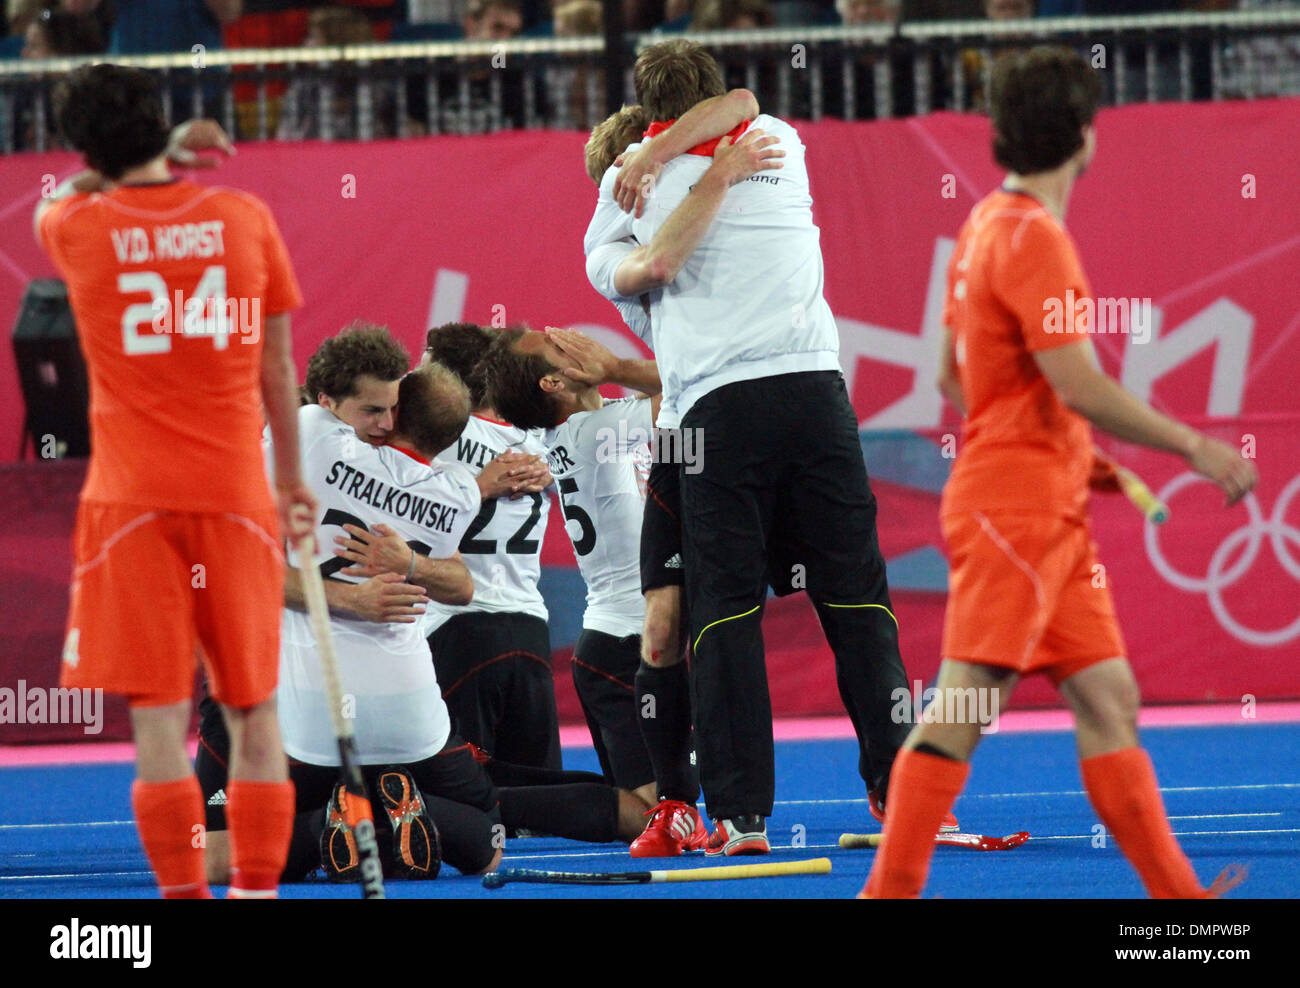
(1232, 794)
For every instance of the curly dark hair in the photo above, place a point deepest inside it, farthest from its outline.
(512, 383)
(461, 346)
(1041, 100)
(433, 408)
(113, 116)
(361, 348)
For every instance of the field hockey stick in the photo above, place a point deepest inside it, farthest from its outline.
(816, 866)
(357, 811)
(979, 842)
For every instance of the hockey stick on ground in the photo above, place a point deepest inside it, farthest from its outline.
(357, 811)
(978, 841)
(816, 866)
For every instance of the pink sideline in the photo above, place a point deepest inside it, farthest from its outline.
(789, 729)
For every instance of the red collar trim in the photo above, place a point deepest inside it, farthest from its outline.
(488, 418)
(412, 454)
(706, 149)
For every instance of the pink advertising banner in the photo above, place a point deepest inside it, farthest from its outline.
(1188, 223)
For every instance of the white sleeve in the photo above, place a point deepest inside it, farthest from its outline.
(602, 265)
(608, 222)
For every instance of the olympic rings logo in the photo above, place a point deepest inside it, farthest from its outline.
(1219, 576)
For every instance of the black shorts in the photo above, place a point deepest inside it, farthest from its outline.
(661, 528)
(458, 793)
(495, 674)
(604, 672)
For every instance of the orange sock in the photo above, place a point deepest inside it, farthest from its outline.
(260, 818)
(922, 788)
(169, 816)
(1123, 789)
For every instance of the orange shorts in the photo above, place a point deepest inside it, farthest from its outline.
(149, 586)
(1026, 592)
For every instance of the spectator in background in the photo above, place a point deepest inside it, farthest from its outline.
(50, 33)
(143, 27)
(148, 26)
(300, 117)
(492, 20)
(731, 15)
(868, 11)
(677, 16)
(978, 68)
(568, 84)
(578, 18)
(56, 32)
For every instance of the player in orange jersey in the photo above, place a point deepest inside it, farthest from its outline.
(1014, 513)
(181, 295)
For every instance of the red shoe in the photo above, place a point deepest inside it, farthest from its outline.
(674, 827)
(949, 825)
(739, 835)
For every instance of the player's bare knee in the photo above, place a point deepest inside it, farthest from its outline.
(216, 857)
(494, 864)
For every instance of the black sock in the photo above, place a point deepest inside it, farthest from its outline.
(663, 700)
(926, 748)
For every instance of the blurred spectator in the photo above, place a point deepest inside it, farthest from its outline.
(1262, 67)
(51, 33)
(306, 99)
(977, 66)
(146, 26)
(731, 15)
(492, 20)
(868, 11)
(578, 18)
(56, 32)
(677, 15)
(568, 84)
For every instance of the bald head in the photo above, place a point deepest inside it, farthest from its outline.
(433, 407)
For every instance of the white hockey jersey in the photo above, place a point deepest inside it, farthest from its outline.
(593, 457)
(389, 685)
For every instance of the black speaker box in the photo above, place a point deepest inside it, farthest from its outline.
(52, 371)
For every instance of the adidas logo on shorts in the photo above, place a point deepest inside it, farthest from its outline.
(218, 798)
(674, 561)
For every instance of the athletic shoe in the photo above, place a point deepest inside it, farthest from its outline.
(674, 827)
(338, 845)
(738, 835)
(949, 825)
(417, 852)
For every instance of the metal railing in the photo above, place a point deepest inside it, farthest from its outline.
(365, 92)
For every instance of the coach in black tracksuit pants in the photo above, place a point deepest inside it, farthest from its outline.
(747, 350)
(782, 497)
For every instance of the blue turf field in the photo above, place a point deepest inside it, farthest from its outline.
(1232, 793)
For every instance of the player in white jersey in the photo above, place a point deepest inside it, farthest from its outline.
(661, 677)
(493, 655)
(591, 449)
(748, 351)
(400, 719)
